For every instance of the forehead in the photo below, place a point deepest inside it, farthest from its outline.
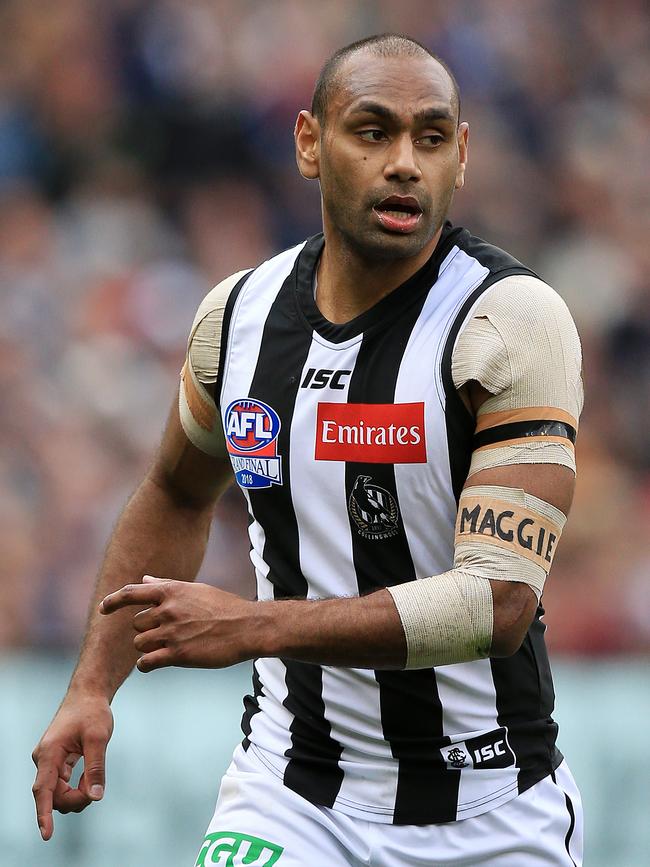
(409, 83)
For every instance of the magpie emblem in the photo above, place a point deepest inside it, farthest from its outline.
(373, 510)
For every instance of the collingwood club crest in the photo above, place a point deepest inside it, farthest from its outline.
(456, 758)
(373, 510)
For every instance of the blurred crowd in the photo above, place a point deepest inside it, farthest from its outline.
(146, 152)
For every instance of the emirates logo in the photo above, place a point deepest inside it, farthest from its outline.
(371, 433)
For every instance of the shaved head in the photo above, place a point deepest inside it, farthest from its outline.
(384, 45)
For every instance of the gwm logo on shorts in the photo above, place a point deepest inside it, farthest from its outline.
(372, 433)
(230, 848)
(252, 429)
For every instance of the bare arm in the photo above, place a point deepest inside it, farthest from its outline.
(164, 530)
(201, 626)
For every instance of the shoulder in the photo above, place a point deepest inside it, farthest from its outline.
(498, 262)
(511, 288)
(215, 301)
(205, 335)
(526, 302)
(520, 328)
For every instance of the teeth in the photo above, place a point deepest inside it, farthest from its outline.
(399, 214)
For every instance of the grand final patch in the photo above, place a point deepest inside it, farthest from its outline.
(373, 510)
(252, 429)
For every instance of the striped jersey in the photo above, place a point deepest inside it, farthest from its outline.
(351, 446)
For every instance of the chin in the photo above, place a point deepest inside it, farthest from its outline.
(386, 246)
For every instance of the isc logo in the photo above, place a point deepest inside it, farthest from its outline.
(484, 754)
(322, 378)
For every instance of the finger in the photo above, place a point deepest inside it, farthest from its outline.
(147, 619)
(92, 780)
(154, 639)
(151, 579)
(49, 764)
(68, 766)
(131, 594)
(68, 799)
(156, 659)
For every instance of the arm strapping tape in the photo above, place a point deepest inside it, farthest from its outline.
(503, 534)
(522, 346)
(197, 407)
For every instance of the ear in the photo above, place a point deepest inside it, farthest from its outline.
(307, 138)
(463, 137)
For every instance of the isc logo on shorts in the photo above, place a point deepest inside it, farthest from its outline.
(372, 433)
(252, 429)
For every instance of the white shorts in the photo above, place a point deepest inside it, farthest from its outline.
(260, 823)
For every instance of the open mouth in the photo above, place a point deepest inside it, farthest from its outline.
(398, 213)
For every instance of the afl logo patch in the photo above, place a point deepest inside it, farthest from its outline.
(373, 509)
(252, 429)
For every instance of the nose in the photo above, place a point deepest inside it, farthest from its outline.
(402, 161)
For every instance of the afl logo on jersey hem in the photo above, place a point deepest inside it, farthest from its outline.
(252, 429)
(373, 510)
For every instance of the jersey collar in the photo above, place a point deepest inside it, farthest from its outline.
(385, 310)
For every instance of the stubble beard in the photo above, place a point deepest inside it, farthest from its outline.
(373, 244)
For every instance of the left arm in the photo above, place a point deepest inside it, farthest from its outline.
(197, 625)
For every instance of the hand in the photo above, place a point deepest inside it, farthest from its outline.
(82, 726)
(190, 625)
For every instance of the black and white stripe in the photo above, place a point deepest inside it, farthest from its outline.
(375, 744)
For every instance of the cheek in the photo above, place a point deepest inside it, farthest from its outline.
(443, 176)
(340, 179)
(346, 164)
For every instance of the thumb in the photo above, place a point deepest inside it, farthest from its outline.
(94, 760)
(151, 579)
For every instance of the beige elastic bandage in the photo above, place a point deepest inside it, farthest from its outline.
(522, 346)
(503, 534)
(198, 411)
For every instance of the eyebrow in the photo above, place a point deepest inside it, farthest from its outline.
(427, 115)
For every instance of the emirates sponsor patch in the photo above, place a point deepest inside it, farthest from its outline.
(372, 433)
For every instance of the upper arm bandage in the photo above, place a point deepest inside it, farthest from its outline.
(521, 345)
(502, 534)
(197, 406)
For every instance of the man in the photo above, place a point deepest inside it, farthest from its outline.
(398, 401)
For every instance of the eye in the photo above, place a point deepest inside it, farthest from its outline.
(372, 135)
(433, 140)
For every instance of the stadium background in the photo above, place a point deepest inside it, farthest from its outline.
(146, 153)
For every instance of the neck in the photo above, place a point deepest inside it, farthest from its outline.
(349, 284)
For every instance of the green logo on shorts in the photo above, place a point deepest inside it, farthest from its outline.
(228, 848)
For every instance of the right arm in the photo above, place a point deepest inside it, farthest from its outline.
(162, 531)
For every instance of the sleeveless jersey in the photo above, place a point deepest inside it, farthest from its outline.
(351, 445)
